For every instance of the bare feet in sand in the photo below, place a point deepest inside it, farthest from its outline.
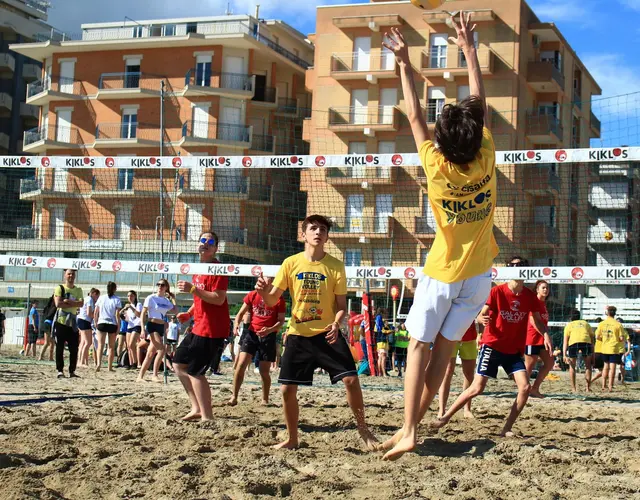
(156, 379)
(265, 403)
(405, 445)
(535, 393)
(507, 434)
(191, 416)
(232, 402)
(392, 441)
(439, 423)
(112, 370)
(467, 414)
(97, 369)
(289, 444)
(140, 380)
(370, 441)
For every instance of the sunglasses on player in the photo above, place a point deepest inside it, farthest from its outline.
(208, 241)
(522, 263)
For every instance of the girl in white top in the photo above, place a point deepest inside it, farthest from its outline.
(85, 321)
(155, 309)
(133, 311)
(107, 320)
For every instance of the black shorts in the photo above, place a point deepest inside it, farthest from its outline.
(533, 350)
(33, 335)
(134, 329)
(302, 355)
(197, 353)
(122, 332)
(612, 358)
(156, 328)
(598, 361)
(83, 324)
(264, 348)
(585, 347)
(171, 342)
(107, 328)
(401, 353)
(489, 360)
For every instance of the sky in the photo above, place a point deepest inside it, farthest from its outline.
(604, 33)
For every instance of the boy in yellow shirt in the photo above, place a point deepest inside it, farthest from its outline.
(578, 337)
(317, 284)
(460, 166)
(612, 336)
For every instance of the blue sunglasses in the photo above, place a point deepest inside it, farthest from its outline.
(208, 241)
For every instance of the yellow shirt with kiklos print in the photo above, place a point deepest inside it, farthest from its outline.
(313, 287)
(463, 204)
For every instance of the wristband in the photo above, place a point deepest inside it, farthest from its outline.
(193, 289)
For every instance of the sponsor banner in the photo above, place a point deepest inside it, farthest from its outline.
(585, 155)
(562, 324)
(589, 275)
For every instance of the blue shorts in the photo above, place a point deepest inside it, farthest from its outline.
(489, 360)
(612, 358)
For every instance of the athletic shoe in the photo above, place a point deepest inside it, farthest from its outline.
(73, 375)
(216, 373)
(60, 375)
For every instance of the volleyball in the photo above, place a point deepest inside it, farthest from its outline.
(608, 235)
(427, 4)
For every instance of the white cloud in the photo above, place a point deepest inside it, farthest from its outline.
(558, 10)
(614, 75)
(632, 4)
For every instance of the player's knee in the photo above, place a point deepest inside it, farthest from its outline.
(350, 381)
(525, 389)
(476, 390)
(288, 391)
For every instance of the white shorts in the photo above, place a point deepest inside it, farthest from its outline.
(446, 308)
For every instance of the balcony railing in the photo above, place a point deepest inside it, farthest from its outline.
(433, 110)
(595, 122)
(134, 130)
(6, 101)
(115, 180)
(56, 83)
(109, 232)
(378, 115)
(29, 232)
(361, 62)
(7, 61)
(215, 131)
(218, 80)
(541, 233)
(362, 225)
(281, 50)
(287, 105)
(130, 80)
(67, 135)
(39, 5)
(359, 173)
(543, 124)
(30, 185)
(296, 147)
(260, 192)
(233, 185)
(432, 59)
(262, 143)
(545, 71)
(265, 94)
(541, 177)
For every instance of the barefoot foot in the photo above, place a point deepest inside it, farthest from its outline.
(156, 379)
(232, 402)
(404, 445)
(469, 414)
(289, 444)
(391, 442)
(191, 416)
(535, 393)
(371, 443)
(438, 423)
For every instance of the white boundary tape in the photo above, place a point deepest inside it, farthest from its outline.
(584, 155)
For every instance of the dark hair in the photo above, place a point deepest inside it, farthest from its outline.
(598, 319)
(215, 236)
(458, 130)
(316, 219)
(575, 315)
(611, 311)
(166, 282)
(94, 290)
(523, 262)
(111, 288)
(541, 282)
(135, 294)
(70, 269)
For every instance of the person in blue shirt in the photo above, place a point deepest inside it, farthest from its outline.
(33, 328)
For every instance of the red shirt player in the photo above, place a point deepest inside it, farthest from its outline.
(260, 340)
(505, 317)
(538, 345)
(210, 312)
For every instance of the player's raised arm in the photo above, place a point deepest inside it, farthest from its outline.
(270, 294)
(396, 43)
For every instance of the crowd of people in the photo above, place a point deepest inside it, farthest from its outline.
(454, 294)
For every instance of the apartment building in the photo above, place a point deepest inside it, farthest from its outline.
(232, 85)
(539, 94)
(20, 21)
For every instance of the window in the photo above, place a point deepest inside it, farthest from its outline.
(203, 70)
(435, 103)
(352, 257)
(382, 256)
(132, 73)
(552, 56)
(125, 179)
(438, 51)
(549, 108)
(138, 31)
(129, 127)
(463, 92)
(169, 29)
(192, 28)
(461, 58)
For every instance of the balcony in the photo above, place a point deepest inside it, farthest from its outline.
(6, 103)
(597, 235)
(363, 66)
(31, 72)
(29, 112)
(233, 187)
(260, 194)
(360, 176)
(614, 170)
(440, 16)
(39, 140)
(7, 63)
(545, 76)
(424, 228)
(232, 85)
(373, 22)
(126, 135)
(295, 147)
(122, 184)
(216, 134)
(265, 97)
(29, 232)
(362, 228)
(594, 122)
(609, 195)
(128, 85)
(454, 63)
(42, 92)
(543, 128)
(31, 188)
(263, 143)
(540, 180)
(287, 107)
(367, 119)
(539, 235)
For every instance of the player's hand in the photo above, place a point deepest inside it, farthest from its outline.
(548, 346)
(483, 319)
(263, 332)
(464, 32)
(262, 285)
(395, 43)
(235, 330)
(332, 333)
(183, 317)
(185, 286)
(566, 360)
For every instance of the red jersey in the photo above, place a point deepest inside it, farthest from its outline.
(533, 336)
(470, 334)
(261, 315)
(210, 320)
(509, 316)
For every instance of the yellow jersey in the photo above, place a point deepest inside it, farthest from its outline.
(579, 332)
(622, 348)
(66, 315)
(463, 204)
(313, 287)
(612, 335)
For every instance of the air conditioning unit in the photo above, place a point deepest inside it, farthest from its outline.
(536, 41)
(365, 185)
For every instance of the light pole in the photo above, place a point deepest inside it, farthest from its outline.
(161, 176)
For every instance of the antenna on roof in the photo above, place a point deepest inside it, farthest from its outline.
(228, 12)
